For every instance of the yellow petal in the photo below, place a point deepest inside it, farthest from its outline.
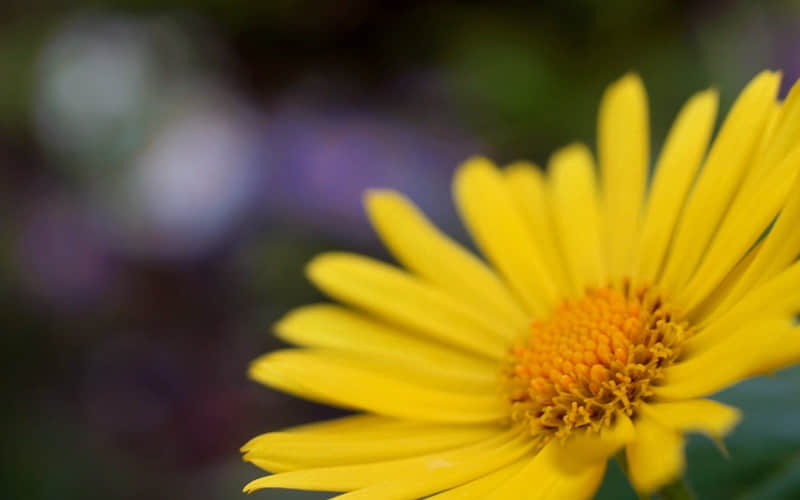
(285, 451)
(780, 247)
(676, 168)
(422, 248)
(580, 486)
(482, 487)
(527, 185)
(441, 474)
(542, 479)
(340, 380)
(784, 353)
(354, 477)
(357, 424)
(655, 457)
(727, 161)
(334, 327)
(623, 145)
(695, 415)
(758, 347)
(405, 300)
(576, 213)
(784, 138)
(777, 298)
(489, 212)
(746, 221)
(769, 130)
(701, 315)
(780, 139)
(763, 192)
(584, 450)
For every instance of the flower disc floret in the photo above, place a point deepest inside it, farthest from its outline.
(594, 357)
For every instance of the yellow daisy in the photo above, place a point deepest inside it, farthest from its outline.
(608, 308)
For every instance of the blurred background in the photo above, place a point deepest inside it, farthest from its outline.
(167, 168)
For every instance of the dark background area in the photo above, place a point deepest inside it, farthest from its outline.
(167, 168)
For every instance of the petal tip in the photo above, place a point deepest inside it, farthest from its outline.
(471, 165)
(318, 268)
(631, 78)
(766, 79)
(472, 173)
(629, 83)
(734, 418)
(708, 96)
(374, 197)
(522, 168)
(250, 487)
(575, 152)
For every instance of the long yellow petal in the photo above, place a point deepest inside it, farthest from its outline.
(356, 425)
(779, 298)
(580, 486)
(656, 457)
(584, 450)
(746, 344)
(701, 315)
(528, 186)
(769, 130)
(542, 479)
(405, 300)
(759, 167)
(780, 247)
(499, 230)
(780, 139)
(724, 167)
(286, 451)
(787, 129)
(422, 248)
(354, 477)
(623, 143)
(340, 380)
(758, 347)
(576, 213)
(695, 415)
(742, 227)
(761, 196)
(784, 353)
(335, 327)
(676, 168)
(450, 382)
(440, 474)
(482, 487)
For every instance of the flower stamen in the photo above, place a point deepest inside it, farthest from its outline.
(593, 358)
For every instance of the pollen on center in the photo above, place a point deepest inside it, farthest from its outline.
(592, 358)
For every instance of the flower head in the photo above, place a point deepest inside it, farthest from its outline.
(609, 308)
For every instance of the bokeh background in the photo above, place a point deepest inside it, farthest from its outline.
(167, 168)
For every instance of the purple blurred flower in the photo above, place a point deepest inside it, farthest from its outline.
(323, 158)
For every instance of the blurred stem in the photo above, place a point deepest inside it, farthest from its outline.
(678, 490)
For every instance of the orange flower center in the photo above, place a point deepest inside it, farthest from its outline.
(593, 357)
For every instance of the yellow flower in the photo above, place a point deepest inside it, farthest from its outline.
(611, 307)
